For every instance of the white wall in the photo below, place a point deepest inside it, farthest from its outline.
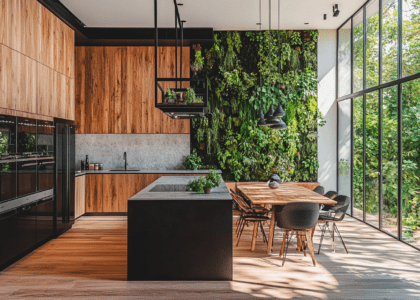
(327, 141)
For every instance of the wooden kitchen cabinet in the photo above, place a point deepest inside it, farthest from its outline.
(17, 81)
(55, 94)
(20, 26)
(80, 196)
(107, 193)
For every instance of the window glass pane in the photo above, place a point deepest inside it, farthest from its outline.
(389, 40)
(411, 162)
(344, 147)
(344, 60)
(358, 51)
(372, 46)
(372, 155)
(411, 37)
(390, 160)
(358, 157)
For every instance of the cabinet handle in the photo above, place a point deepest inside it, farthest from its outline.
(47, 163)
(29, 165)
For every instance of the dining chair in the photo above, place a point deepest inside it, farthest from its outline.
(249, 214)
(298, 218)
(330, 194)
(334, 214)
(319, 189)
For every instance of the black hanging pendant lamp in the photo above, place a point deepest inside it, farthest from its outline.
(271, 118)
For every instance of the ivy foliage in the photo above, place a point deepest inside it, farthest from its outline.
(232, 141)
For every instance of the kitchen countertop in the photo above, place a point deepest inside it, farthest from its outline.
(219, 193)
(82, 173)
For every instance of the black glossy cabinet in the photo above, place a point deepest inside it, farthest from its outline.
(8, 238)
(26, 229)
(45, 221)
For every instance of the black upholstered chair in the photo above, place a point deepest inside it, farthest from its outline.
(330, 194)
(249, 214)
(299, 218)
(333, 214)
(319, 189)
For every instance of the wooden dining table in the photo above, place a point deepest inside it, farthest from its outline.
(261, 194)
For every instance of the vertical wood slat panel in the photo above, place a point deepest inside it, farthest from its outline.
(6, 78)
(116, 94)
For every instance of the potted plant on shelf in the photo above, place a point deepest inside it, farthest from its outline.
(199, 100)
(180, 97)
(206, 183)
(190, 95)
(170, 96)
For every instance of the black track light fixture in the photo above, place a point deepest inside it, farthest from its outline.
(180, 4)
(336, 12)
(325, 16)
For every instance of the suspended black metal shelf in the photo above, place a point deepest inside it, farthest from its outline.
(179, 109)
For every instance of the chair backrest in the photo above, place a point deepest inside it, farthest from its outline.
(298, 216)
(319, 190)
(340, 209)
(240, 201)
(330, 194)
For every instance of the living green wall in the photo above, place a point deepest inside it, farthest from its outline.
(232, 141)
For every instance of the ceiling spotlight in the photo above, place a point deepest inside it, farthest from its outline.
(336, 12)
(325, 16)
(306, 23)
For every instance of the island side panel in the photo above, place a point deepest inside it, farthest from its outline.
(180, 240)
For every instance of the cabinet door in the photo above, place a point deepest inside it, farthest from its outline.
(45, 221)
(8, 239)
(24, 87)
(46, 91)
(26, 229)
(7, 77)
(80, 202)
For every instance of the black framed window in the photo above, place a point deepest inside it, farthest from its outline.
(379, 116)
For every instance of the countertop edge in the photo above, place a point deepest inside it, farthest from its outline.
(169, 172)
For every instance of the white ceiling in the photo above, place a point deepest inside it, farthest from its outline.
(218, 14)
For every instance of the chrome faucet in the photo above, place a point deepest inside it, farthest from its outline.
(125, 161)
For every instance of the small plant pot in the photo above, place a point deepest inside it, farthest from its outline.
(202, 145)
(206, 190)
(180, 97)
(171, 101)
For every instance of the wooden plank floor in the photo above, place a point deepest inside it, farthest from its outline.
(89, 262)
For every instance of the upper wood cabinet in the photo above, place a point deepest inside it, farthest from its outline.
(55, 94)
(28, 27)
(18, 75)
(115, 90)
(57, 43)
(21, 26)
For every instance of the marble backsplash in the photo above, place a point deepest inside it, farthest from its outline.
(144, 151)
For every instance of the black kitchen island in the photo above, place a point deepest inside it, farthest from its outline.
(176, 234)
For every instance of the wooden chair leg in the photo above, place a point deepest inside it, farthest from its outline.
(310, 246)
(284, 242)
(254, 236)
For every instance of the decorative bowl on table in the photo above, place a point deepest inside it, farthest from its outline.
(273, 185)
